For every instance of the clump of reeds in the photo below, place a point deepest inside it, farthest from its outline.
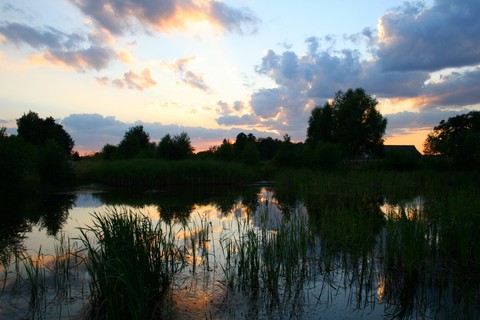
(131, 262)
(153, 172)
(34, 268)
(46, 278)
(271, 262)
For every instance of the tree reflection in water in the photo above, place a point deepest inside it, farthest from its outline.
(356, 259)
(49, 212)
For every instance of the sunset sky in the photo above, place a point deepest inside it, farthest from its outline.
(217, 68)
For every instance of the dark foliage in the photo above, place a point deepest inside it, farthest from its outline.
(458, 138)
(352, 121)
(38, 131)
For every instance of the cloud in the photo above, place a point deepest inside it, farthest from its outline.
(72, 50)
(407, 121)
(50, 37)
(412, 42)
(119, 16)
(443, 36)
(131, 80)
(267, 103)
(234, 120)
(91, 132)
(187, 76)
(94, 57)
(456, 89)
(232, 19)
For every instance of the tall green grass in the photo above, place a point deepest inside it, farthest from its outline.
(131, 262)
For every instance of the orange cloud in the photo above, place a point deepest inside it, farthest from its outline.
(125, 56)
(395, 105)
(119, 16)
(132, 80)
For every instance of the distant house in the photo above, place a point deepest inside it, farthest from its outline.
(401, 149)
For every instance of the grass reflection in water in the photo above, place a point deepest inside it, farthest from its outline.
(354, 254)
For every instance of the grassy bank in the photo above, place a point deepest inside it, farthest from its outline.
(153, 173)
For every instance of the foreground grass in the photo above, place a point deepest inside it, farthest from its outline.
(131, 262)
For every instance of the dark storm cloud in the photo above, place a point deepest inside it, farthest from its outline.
(118, 16)
(72, 49)
(445, 35)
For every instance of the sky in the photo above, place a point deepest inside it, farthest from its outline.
(216, 68)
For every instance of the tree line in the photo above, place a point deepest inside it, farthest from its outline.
(347, 128)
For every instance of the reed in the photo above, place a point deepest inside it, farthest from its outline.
(152, 172)
(131, 263)
(34, 268)
(264, 261)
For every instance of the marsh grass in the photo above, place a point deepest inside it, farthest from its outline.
(151, 173)
(131, 262)
(43, 280)
(34, 268)
(269, 264)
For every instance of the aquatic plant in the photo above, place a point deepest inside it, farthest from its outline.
(132, 263)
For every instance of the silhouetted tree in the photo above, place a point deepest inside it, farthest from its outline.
(286, 154)
(38, 131)
(352, 121)
(457, 138)
(242, 140)
(321, 125)
(226, 151)
(165, 148)
(183, 146)
(178, 147)
(110, 152)
(15, 159)
(268, 147)
(250, 153)
(359, 126)
(53, 166)
(135, 142)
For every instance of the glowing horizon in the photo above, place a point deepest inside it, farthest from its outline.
(214, 69)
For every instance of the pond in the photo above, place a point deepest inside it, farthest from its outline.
(256, 252)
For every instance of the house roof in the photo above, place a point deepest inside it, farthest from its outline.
(410, 149)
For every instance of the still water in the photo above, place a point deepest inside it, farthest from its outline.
(340, 261)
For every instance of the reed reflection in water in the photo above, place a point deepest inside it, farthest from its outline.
(261, 254)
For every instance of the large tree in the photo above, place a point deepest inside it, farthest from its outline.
(176, 147)
(352, 121)
(135, 142)
(320, 125)
(458, 138)
(38, 131)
